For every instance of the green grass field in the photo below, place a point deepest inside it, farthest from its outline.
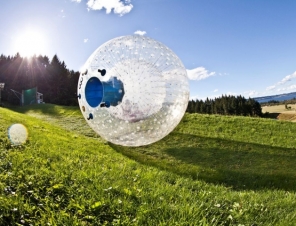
(211, 170)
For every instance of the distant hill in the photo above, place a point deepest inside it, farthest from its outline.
(279, 97)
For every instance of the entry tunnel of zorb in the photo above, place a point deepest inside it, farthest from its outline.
(133, 90)
(104, 94)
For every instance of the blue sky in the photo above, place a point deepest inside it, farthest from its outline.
(238, 47)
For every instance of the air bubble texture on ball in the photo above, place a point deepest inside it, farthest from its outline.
(154, 96)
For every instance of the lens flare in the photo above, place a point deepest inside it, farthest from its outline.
(17, 134)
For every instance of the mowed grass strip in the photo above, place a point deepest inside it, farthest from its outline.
(62, 177)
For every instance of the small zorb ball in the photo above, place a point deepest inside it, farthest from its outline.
(133, 90)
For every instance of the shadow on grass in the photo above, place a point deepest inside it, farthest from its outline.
(239, 165)
(271, 115)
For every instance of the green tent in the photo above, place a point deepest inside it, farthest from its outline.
(29, 96)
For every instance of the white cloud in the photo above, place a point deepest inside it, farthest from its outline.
(85, 40)
(231, 94)
(288, 88)
(286, 79)
(199, 73)
(138, 32)
(270, 88)
(76, 1)
(291, 87)
(195, 97)
(216, 90)
(252, 93)
(118, 6)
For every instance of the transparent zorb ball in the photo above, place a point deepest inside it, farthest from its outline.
(133, 90)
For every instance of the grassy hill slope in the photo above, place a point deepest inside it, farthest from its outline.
(211, 170)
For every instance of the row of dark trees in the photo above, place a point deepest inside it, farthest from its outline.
(59, 86)
(51, 77)
(276, 102)
(226, 105)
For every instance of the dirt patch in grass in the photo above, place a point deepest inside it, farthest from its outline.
(287, 117)
(280, 112)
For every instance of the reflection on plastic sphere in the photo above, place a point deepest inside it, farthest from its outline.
(133, 90)
(17, 134)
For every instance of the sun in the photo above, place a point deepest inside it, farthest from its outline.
(30, 43)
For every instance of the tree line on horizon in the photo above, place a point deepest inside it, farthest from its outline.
(226, 105)
(58, 85)
(276, 102)
(52, 78)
